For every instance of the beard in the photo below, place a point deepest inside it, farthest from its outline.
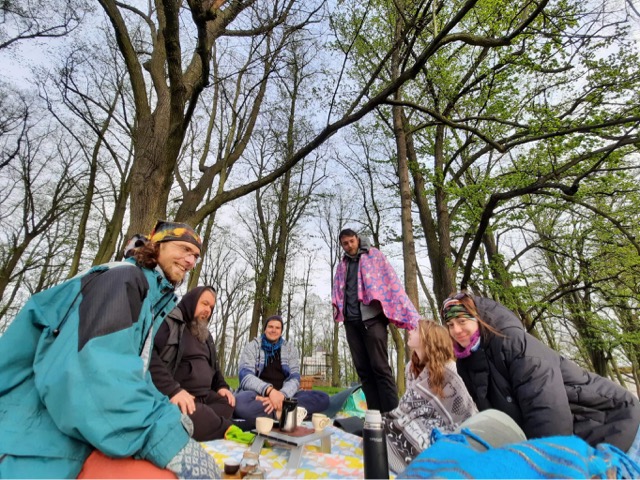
(200, 330)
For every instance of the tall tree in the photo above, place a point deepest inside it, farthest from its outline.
(36, 197)
(333, 210)
(38, 20)
(509, 110)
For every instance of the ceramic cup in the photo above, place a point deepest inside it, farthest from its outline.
(320, 421)
(231, 466)
(301, 414)
(264, 425)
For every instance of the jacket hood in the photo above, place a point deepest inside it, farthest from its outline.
(363, 248)
(496, 315)
(189, 302)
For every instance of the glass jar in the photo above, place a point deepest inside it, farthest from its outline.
(249, 464)
(256, 473)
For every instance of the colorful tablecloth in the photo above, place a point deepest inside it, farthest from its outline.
(344, 461)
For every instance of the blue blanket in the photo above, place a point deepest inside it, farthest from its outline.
(451, 456)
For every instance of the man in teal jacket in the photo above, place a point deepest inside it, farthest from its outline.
(74, 369)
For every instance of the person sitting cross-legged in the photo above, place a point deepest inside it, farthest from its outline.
(184, 366)
(269, 372)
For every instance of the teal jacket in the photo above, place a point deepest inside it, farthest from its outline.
(74, 375)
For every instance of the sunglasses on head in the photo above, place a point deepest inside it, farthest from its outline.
(459, 296)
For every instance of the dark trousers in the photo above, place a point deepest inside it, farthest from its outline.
(211, 418)
(368, 344)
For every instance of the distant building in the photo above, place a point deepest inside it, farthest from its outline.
(317, 365)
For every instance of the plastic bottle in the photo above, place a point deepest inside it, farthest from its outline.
(374, 446)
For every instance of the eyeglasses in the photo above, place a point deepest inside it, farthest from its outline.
(188, 253)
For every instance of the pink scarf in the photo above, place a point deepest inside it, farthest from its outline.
(474, 344)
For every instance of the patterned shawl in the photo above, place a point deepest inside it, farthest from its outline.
(377, 280)
(408, 427)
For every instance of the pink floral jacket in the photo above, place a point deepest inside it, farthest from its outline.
(376, 281)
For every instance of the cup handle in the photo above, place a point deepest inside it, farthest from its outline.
(302, 414)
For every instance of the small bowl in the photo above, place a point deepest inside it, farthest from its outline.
(231, 466)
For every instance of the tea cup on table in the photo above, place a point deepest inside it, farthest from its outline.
(264, 425)
(320, 421)
(301, 414)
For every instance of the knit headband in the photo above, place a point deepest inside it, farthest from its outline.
(453, 308)
(172, 232)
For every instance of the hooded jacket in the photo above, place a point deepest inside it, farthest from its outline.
(169, 352)
(545, 393)
(74, 375)
(408, 428)
(251, 365)
(377, 280)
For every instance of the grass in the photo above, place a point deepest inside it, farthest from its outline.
(233, 383)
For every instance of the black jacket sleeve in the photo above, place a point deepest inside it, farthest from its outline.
(160, 374)
(218, 381)
(536, 379)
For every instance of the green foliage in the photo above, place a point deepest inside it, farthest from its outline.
(536, 136)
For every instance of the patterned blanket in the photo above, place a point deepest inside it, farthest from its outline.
(344, 461)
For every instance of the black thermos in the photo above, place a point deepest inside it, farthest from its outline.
(374, 446)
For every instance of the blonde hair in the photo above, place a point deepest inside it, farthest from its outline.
(438, 352)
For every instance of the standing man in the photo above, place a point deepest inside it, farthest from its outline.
(367, 295)
(184, 366)
(75, 389)
(269, 372)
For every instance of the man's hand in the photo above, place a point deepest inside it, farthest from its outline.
(266, 403)
(225, 392)
(276, 397)
(184, 401)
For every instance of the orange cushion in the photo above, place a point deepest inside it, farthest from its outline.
(98, 465)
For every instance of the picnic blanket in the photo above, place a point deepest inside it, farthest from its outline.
(344, 461)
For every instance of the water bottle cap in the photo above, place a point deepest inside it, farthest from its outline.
(372, 416)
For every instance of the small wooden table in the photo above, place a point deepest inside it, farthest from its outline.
(297, 442)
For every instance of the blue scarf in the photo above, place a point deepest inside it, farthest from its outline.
(270, 348)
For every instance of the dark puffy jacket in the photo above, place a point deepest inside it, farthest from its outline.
(545, 393)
